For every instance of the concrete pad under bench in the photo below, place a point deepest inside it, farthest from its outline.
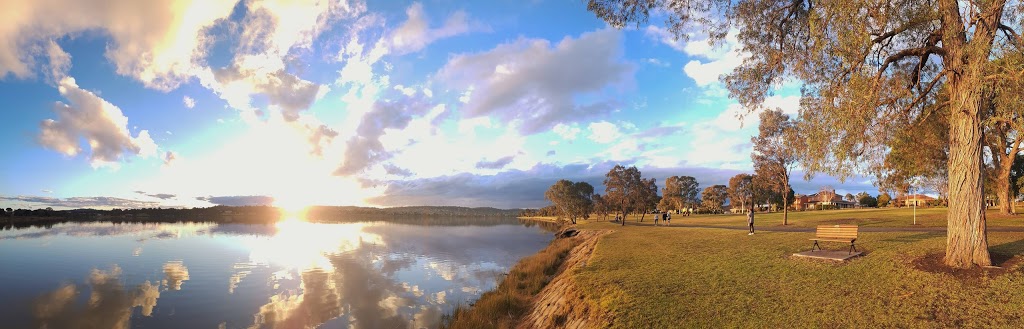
(839, 255)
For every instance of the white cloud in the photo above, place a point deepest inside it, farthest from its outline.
(657, 62)
(722, 60)
(272, 31)
(566, 131)
(169, 157)
(60, 62)
(604, 132)
(156, 42)
(189, 102)
(533, 84)
(100, 123)
(664, 36)
(415, 34)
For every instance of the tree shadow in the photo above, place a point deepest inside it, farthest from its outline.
(915, 237)
(1003, 254)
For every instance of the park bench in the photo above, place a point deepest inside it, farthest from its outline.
(836, 233)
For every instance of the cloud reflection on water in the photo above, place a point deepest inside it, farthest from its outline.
(354, 275)
(110, 303)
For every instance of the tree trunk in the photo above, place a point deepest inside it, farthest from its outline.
(966, 240)
(785, 206)
(1003, 189)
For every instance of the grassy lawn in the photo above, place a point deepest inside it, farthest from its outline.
(885, 217)
(648, 277)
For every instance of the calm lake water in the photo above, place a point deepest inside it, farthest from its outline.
(292, 274)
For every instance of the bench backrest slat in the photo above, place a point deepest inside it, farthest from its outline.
(836, 231)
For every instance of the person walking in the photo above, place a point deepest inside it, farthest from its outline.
(750, 221)
(668, 219)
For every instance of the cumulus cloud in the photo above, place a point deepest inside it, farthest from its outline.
(80, 202)
(169, 157)
(271, 36)
(365, 148)
(566, 131)
(391, 169)
(100, 123)
(320, 136)
(415, 34)
(603, 132)
(535, 83)
(496, 164)
(238, 200)
(60, 62)
(189, 102)
(155, 42)
(283, 90)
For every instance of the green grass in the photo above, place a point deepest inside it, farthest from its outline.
(503, 306)
(650, 277)
(874, 217)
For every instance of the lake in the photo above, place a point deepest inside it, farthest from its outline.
(292, 274)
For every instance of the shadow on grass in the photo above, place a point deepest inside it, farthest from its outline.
(916, 237)
(1006, 258)
(1003, 254)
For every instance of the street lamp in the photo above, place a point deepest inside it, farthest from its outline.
(915, 204)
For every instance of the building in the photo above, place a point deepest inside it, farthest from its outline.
(919, 200)
(821, 201)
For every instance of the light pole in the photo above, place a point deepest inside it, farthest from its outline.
(915, 204)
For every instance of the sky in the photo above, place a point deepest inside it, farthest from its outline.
(181, 103)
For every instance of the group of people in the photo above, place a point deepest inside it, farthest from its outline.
(665, 216)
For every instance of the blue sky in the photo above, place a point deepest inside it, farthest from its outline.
(119, 103)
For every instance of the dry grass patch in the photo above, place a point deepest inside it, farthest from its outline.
(504, 306)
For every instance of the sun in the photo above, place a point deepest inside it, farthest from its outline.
(292, 209)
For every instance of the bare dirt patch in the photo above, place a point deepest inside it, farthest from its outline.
(1002, 264)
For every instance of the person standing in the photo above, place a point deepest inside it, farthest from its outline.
(750, 221)
(668, 219)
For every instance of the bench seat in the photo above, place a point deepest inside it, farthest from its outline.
(835, 233)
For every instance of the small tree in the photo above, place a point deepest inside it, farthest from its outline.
(884, 199)
(713, 197)
(867, 200)
(601, 206)
(648, 196)
(623, 190)
(741, 190)
(775, 154)
(572, 199)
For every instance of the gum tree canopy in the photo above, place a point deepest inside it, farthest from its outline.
(862, 63)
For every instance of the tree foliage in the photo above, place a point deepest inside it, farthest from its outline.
(626, 191)
(776, 149)
(866, 200)
(884, 199)
(741, 190)
(572, 199)
(680, 192)
(713, 197)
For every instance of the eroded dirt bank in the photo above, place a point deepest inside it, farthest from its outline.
(560, 304)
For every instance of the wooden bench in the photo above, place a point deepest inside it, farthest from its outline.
(836, 233)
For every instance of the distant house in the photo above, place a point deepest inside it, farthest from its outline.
(919, 200)
(821, 201)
